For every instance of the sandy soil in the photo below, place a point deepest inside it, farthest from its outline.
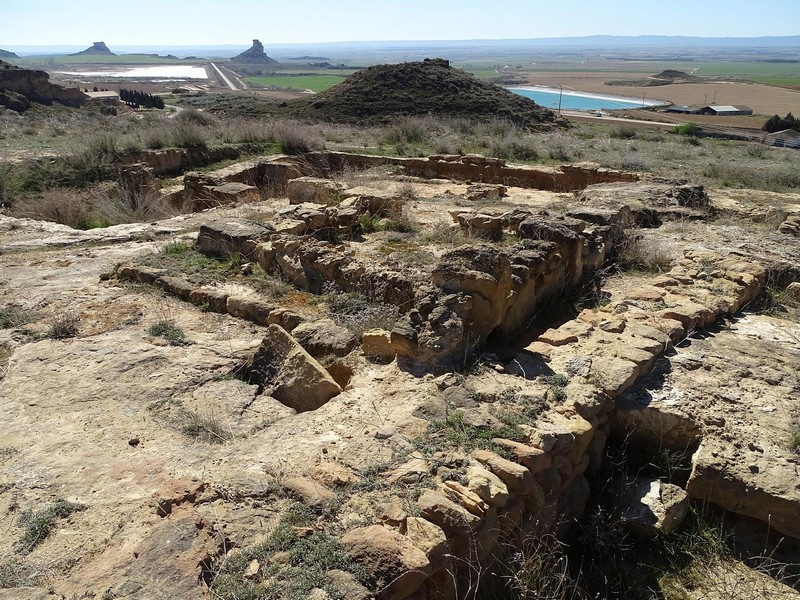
(762, 99)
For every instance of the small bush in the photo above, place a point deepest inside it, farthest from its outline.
(308, 559)
(623, 132)
(407, 191)
(64, 206)
(193, 116)
(354, 312)
(794, 440)
(515, 146)
(168, 330)
(156, 138)
(411, 130)
(12, 316)
(645, 254)
(689, 129)
(295, 138)
(188, 135)
(38, 525)
(103, 149)
(129, 206)
(633, 163)
(65, 326)
(205, 427)
(368, 223)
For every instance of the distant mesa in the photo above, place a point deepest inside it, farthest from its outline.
(255, 55)
(7, 54)
(98, 48)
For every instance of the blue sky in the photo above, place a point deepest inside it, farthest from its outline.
(212, 22)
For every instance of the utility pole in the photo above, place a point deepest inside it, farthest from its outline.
(643, 95)
(560, 93)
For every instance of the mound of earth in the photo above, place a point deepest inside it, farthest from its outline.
(665, 77)
(673, 74)
(384, 92)
(7, 54)
(254, 55)
(98, 48)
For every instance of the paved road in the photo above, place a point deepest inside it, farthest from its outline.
(224, 77)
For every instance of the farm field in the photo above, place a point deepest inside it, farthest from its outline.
(315, 83)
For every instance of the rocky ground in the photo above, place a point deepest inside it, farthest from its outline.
(405, 451)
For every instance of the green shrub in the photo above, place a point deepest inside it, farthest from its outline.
(623, 132)
(193, 116)
(168, 330)
(308, 559)
(409, 130)
(689, 129)
(38, 525)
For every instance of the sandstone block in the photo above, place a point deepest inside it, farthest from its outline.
(390, 558)
(466, 498)
(290, 373)
(250, 309)
(487, 485)
(312, 189)
(453, 519)
(215, 300)
(536, 459)
(324, 338)
(176, 286)
(229, 237)
(517, 478)
(377, 344)
(613, 375)
(650, 507)
(310, 492)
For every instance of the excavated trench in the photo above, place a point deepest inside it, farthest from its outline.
(511, 302)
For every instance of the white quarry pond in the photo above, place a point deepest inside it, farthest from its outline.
(159, 72)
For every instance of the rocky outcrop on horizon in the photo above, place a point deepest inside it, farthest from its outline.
(96, 48)
(254, 55)
(7, 54)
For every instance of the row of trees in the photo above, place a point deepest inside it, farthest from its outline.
(775, 123)
(136, 99)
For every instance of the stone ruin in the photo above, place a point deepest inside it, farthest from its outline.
(591, 370)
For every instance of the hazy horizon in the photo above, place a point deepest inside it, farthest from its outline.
(234, 23)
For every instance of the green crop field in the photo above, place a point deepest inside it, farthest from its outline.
(315, 83)
(770, 73)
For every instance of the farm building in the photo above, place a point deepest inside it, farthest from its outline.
(788, 138)
(724, 110)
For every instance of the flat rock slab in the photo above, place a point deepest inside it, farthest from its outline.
(739, 384)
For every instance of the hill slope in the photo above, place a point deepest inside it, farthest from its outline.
(384, 92)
